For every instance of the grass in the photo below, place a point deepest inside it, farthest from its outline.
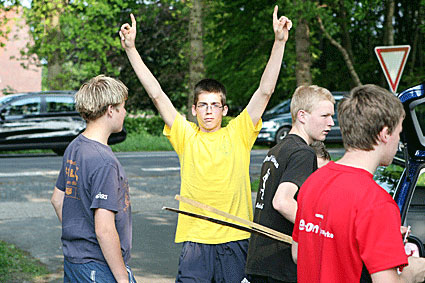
(143, 142)
(18, 266)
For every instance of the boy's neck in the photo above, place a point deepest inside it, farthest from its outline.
(367, 160)
(95, 131)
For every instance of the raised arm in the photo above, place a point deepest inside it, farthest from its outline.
(166, 109)
(261, 96)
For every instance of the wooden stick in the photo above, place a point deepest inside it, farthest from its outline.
(225, 223)
(253, 225)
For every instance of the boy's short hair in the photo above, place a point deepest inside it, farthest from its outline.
(94, 96)
(320, 150)
(364, 113)
(306, 97)
(210, 85)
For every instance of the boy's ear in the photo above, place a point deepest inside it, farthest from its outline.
(110, 110)
(384, 135)
(301, 115)
(193, 110)
(225, 110)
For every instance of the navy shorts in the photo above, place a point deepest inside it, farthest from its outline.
(90, 272)
(202, 263)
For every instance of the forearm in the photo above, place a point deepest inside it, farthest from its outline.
(271, 72)
(151, 85)
(288, 209)
(110, 244)
(57, 202)
(149, 82)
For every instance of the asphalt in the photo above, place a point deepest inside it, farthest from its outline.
(28, 220)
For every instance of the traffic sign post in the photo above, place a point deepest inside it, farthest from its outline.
(392, 60)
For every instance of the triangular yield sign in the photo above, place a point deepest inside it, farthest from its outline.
(392, 60)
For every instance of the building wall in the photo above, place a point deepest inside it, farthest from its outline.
(12, 74)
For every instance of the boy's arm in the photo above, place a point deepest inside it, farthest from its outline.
(109, 241)
(261, 97)
(294, 250)
(284, 202)
(166, 109)
(57, 202)
(414, 272)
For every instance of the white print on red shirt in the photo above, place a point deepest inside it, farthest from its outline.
(314, 228)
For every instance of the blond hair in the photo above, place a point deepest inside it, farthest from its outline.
(306, 97)
(94, 96)
(364, 113)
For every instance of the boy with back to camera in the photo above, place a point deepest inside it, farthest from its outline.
(91, 197)
(214, 162)
(345, 220)
(285, 168)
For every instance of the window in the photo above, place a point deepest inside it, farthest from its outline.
(59, 104)
(27, 106)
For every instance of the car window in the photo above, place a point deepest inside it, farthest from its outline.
(416, 211)
(26, 106)
(60, 104)
(420, 115)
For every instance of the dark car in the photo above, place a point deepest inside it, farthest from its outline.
(42, 120)
(277, 123)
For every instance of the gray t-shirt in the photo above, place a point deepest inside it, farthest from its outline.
(92, 177)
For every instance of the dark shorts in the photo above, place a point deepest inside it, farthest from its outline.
(90, 272)
(261, 279)
(202, 263)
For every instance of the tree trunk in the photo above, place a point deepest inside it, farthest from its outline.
(345, 30)
(389, 29)
(302, 43)
(196, 59)
(55, 59)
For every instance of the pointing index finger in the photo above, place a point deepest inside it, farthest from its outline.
(275, 13)
(133, 21)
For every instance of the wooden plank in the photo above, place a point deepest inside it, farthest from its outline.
(225, 223)
(256, 226)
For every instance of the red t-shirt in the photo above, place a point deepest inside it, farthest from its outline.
(345, 219)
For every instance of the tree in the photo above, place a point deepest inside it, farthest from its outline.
(162, 41)
(74, 39)
(6, 6)
(196, 55)
(302, 42)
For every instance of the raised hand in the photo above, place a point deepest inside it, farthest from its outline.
(128, 34)
(281, 26)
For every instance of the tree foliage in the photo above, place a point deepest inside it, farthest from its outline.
(238, 37)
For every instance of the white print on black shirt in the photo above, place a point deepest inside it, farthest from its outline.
(101, 196)
(314, 228)
(263, 188)
(272, 159)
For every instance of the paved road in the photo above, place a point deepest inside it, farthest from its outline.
(27, 218)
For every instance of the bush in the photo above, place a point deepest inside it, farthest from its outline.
(152, 125)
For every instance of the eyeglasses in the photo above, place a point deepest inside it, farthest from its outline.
(205, 107)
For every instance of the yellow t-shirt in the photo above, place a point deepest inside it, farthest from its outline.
(215, 171)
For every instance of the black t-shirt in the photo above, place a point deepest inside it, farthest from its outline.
(290, 161)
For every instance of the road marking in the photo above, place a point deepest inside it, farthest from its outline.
(23, 174)
(161, 169)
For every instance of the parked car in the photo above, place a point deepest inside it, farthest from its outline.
(42, 120)
(277, 123)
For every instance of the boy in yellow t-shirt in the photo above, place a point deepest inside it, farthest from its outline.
(214, 161)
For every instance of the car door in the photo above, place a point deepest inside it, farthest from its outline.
(19, 119)
(410, 192)
(61, 122)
